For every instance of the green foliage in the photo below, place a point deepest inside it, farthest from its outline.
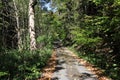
(3, 74)
(23, 65)
(81, 37)
(44, 41)
(89, 25)
(93, 25)
(117, 2)
(102, 61)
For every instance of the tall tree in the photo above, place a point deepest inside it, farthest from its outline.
(18, 27)
(31, 25)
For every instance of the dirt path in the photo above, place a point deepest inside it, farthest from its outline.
(65, 65)
(68, 67)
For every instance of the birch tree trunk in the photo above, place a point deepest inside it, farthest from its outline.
(18, 27)
(31, 25)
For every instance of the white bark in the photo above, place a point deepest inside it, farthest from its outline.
(18, 27)
(32, 25)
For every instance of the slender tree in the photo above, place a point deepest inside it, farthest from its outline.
(31, 25)
(18, 27)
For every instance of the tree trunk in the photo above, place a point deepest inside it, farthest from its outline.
(31, 25)
(18, 28)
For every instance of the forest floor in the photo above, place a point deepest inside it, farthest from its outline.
(65, 65)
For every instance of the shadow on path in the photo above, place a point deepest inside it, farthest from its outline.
(68, 68)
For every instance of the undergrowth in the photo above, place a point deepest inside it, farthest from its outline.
(24, 65)
(111, 68)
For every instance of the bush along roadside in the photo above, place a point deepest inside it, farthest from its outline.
(24, 65)
(110, 67)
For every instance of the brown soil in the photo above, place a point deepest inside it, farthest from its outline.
(49, 69)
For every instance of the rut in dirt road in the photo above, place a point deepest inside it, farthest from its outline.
(68, 68)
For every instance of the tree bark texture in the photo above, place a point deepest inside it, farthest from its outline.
(18, 27)
(32, 24)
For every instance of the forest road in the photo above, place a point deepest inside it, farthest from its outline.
(68, 68)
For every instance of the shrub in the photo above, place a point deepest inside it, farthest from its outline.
(26, 65)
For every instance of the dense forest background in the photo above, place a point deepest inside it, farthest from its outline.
(91, 27)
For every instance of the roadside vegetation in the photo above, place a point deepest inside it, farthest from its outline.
(29, 29)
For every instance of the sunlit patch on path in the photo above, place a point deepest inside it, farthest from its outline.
(67, 66)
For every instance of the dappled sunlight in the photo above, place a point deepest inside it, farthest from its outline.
(82, 37)
(49, 69)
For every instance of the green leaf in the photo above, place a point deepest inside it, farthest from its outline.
(3, 74)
